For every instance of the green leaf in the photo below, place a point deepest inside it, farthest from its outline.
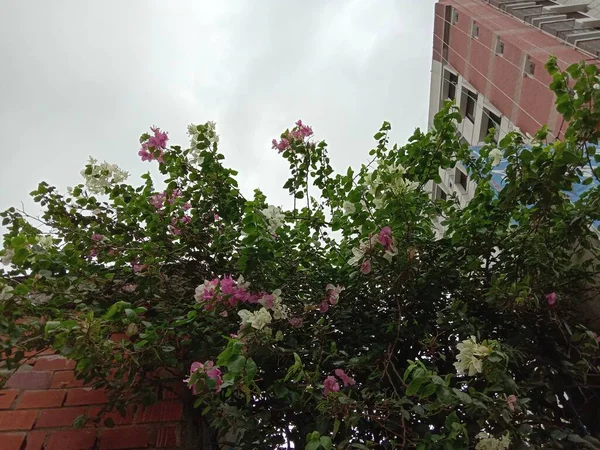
(313, 445)
(414, 385)
(326, 442)
(462, 396)
(236, 363)
(251, 369)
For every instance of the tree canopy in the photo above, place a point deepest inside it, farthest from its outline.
(346, 321)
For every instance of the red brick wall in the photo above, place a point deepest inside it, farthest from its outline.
(42, 399)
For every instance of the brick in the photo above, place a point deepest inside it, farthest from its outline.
(72, 440)
(86, 396)
(123, 438)
(58, 417)
(167, 436)
(65, 379)
(168, 411)
(7, 398)
(53, 362)
(30, 380)
(35, 440)
(118, 337)
(173, 390)
(11, 441)
(17, 420)
(47, 351)
(116, 416)
(41, 399)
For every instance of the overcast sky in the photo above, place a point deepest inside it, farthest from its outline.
(87, 78)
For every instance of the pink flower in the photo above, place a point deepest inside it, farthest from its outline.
(281, 145)
(365, 267)
(176, 231)
(296, 322)
(334, 293)
(216, 217)
(215, 374)
(157, 200)
(145, 154)
(186, 219)
(159, 140)
(93, 252)
(97, 237)
(348, 381)
(324, 306)
(330, 385)
(186, 206)
(267, 301)
(174, 196)
(385, 238)
(130, 287)
(551, 298)
(511, 401)
(139, 267)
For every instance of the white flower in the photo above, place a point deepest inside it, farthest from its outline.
(8, 256)
(6, 293)
(260, 319)
(274, 216)
(245, 315)
(378, 202)
(102, 176)
(280, 311)
(489, 442)
(596, 87)
(401, 185)
(496, 154)
(349, 208)
(200, 292)
(45, 242)
(468, 360)
(575, 96)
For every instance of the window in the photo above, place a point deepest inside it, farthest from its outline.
(450, 83)
(454, 16)
(470, 102)
(461, 179)
(529, 66)
(475, 30)
(499, 47)
(490, 120)
(439, 193)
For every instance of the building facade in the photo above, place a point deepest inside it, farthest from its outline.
(489, 56)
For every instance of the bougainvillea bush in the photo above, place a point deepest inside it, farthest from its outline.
(344, 322)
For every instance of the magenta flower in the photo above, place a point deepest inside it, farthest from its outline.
(551, 298)
(145, 154)
(97, 237)
(511, 401)
(139, 267)
(157, 200)
(159, 140)
(216, 217)
(186, 206)
(385, 238)
(324, 306)
(186, 219)
(93, 252)
(365, 267)
(330, 385)
(215, 374)
(348, 381)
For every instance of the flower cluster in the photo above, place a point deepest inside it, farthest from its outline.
(200, 134)
(98, 177)
(300, 133)
(398, 185)
(226, 291)
(258, 319)
(274, 216)
(151, 143)
(366, 248)
(333, 296)
(551, 298)
(331, 383)
(46, 242)
(208, 369)
(489, 442)
(469, 360)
